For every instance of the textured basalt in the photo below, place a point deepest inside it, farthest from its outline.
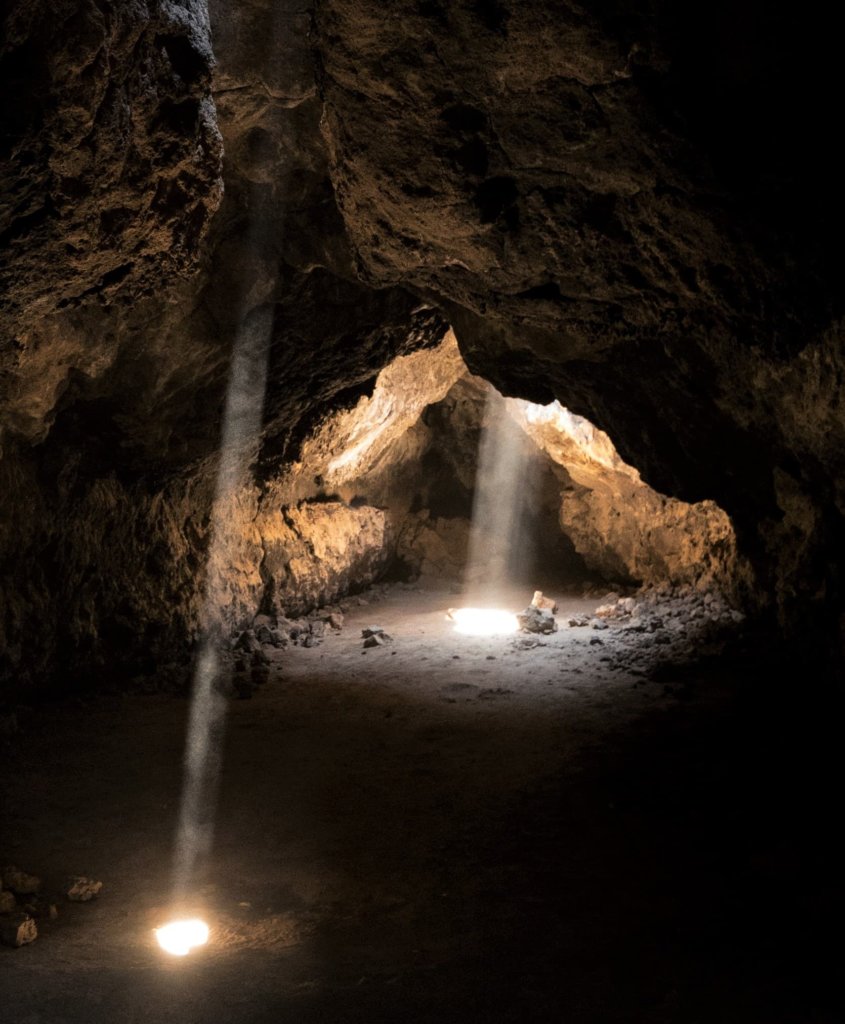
(606, 203)
(631, 209)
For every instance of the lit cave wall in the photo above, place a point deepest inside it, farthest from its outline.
(605, 215)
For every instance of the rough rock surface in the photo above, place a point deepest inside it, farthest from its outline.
(622, 528)
(624, 207)
(110, 167)
(627, 208)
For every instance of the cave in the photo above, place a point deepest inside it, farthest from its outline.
(421, 512)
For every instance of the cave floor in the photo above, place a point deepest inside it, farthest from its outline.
(444, 829)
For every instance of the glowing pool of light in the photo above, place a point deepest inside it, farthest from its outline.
(179, 937)
(483, 621)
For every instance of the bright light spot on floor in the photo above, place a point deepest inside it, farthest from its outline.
(483, 621)
(180, 937)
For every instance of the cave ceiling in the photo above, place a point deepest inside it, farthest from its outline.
(632, 208)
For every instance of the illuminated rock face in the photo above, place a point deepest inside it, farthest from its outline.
(621, 527)
(628, 208)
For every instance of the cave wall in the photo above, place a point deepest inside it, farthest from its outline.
(624, 529)
(112, 384)
(630, 208)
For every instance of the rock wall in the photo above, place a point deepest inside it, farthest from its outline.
(630, 209)
(623, 529)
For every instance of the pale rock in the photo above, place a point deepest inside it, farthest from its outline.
(81, 889)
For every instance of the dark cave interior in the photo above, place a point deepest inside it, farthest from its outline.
(321, 318)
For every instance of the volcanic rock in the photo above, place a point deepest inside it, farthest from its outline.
(539, 601)
(81, 889)
(536, 620)
(18, 929)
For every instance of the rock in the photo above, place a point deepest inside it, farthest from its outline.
(372, 631)
(17, 930)
(598, 624)
(311, 641)
(318, 628)
(248, 642)
(264, 635)
(7, 902)
(336, 620)
(536, 620)
(539, 601)
(263, 620)
(577, 621)
(20, 882)
(81, 889)
(374, 640)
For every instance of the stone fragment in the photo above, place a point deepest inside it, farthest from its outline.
(374, 640)
(264, 635)
(81, 889)
(536, 620)
(318, 628)
(540, 601)
(7, 902)
(336, 620)
(372, 631)
(577, 621)
(19, 881)
(263, 620)
(278, 638)
(598, 624)
(17, 930)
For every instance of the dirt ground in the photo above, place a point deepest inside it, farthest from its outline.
(447, 828)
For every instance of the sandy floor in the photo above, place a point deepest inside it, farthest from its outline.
(447, 828)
